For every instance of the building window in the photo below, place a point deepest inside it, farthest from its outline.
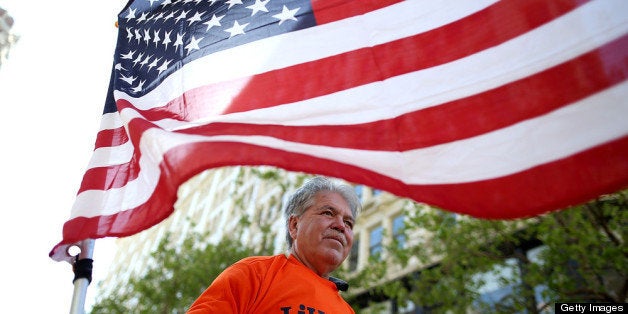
(408, 307)
(493, 286)
(533, 256)
(497, 287)
(354, 255)
(398, 234)
(375, 241)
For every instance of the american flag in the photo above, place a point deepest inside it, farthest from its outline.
(495, 109)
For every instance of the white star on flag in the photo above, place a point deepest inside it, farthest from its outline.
(193, 45)
(259, 5)
(286, 14)
(215, 21)
(233, 2)
(236, 29)
(195, 18)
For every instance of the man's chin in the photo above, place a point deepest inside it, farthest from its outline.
(335, 256)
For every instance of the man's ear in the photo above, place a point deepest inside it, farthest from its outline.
(293, 226)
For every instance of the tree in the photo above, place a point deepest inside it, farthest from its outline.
(581, 258)
(177, 276)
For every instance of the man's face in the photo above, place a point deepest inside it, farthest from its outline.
(323, 235)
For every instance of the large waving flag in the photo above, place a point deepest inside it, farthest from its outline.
(496, 109)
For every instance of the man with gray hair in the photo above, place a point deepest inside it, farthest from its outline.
(319, 219)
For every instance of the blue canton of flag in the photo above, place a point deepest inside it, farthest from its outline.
(156, 39)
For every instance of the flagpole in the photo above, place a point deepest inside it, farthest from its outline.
(82, 268)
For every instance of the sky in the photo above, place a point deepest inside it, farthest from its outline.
(52, 92)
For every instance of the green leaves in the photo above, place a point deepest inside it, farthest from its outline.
(581, 256)
(176, 277)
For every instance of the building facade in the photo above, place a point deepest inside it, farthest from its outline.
(7, 37)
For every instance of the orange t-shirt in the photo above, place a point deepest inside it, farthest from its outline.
(270, 284)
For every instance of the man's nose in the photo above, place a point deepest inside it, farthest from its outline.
(339, 224)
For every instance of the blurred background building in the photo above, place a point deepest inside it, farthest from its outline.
(7, 38)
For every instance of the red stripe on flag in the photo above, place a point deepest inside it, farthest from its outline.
(492, 26)
(111, 137)
(109, 177)
(327, 11)
(551, 186)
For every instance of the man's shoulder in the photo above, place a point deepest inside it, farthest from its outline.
(259, 265)
(261, 260)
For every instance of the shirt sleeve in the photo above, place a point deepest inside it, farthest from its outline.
(231, 292)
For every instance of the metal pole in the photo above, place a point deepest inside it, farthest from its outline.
(82, 276)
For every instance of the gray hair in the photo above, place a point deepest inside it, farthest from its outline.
(303, 198)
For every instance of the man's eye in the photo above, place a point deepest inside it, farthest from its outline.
(349, 224)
